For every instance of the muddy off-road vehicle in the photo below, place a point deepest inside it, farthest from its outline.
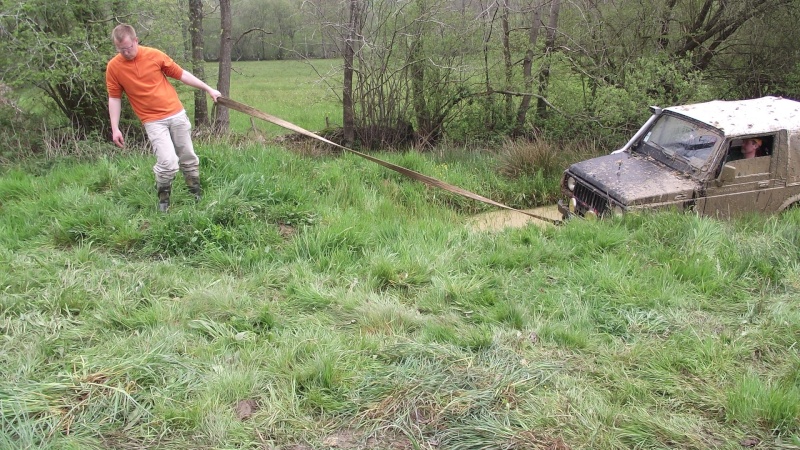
(690, 158)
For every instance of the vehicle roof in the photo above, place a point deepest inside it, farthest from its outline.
(743, 117)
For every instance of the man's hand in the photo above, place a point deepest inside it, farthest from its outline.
(114, 111)
(116, 136)
(215, 94)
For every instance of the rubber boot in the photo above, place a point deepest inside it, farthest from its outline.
(163, 196)
(193, 183)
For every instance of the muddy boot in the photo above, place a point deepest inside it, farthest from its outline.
(193, 183)
(163, 196)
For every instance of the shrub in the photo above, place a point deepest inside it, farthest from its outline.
(520, 158)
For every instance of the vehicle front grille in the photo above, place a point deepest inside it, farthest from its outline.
(590, 198)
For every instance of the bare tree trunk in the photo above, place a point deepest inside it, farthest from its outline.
(222, 119)
(509, 100)
(527, 66)
(488, 28)
(549, 45)
(426, 129)
(715, 22)
(198, 69)
(663, 40)
(348, 114)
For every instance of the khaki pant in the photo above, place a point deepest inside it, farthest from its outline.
(171, 139)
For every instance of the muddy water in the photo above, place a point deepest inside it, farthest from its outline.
(500, 219)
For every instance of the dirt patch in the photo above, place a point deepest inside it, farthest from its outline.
(350, 439)
(286, 231)
(498, 220)
(245, 409)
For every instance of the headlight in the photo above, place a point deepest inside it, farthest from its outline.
(571, 184)
(618, 211)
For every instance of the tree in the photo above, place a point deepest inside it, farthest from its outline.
(320, 35)
(605, 37)
(549, 48)
(760, 58)
(507, 63)
(714, 22)
(410, 72)
(348, 113)
(527, 67)
(62, 50)
(198, 62)
(222, 119)
(427, 69)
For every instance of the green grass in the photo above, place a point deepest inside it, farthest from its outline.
(296, 91)
(348, 303)
(357, 309)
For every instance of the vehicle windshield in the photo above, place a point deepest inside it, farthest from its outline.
(679, 143)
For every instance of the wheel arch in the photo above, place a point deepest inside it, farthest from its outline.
(789, 202)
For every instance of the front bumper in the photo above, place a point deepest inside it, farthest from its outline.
(566, 214)
(576, 209)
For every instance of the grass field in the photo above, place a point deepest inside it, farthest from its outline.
(327, 303)
(296, 91)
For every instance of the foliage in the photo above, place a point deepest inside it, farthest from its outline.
(338, 305)
(431, 70)
(519, 157)
(14, 142)
(62, 50)
(56, 48)
(655, 80)
(761, 62)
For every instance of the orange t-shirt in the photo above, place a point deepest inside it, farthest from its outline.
(144, 81)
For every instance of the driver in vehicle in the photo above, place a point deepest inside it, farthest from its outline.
(751, 148)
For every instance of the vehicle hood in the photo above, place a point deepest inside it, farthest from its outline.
(634, 180)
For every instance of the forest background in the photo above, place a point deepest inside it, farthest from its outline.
(415, 72)
(312, 300)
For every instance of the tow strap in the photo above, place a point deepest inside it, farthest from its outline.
(249, 110)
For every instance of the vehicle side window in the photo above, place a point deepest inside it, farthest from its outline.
(735, 151)
(757, 164)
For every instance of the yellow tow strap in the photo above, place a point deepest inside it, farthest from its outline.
(249, 110)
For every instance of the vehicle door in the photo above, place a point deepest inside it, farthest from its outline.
(747, 185)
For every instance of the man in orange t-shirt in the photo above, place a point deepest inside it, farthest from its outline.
(141, 73)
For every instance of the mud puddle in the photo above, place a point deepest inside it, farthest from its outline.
(498, 220)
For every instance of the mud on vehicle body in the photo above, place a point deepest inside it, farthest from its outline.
(688, 158)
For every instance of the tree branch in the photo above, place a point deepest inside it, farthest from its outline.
(248, 32)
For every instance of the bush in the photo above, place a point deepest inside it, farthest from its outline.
(15, 142)
(544, 156)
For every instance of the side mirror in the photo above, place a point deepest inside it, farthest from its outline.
(728, 174)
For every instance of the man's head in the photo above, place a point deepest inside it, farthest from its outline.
(125, 41)
(750, 146)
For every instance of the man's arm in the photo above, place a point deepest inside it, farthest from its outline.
(190, 80)
(114, 111)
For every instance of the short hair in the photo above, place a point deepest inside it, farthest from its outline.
(758, 141)
(122, 31)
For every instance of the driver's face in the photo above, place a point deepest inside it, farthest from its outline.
(749, 147)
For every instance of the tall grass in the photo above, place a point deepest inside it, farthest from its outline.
(328, 303)
(346, 303)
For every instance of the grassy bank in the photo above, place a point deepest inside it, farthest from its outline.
(328, 303)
